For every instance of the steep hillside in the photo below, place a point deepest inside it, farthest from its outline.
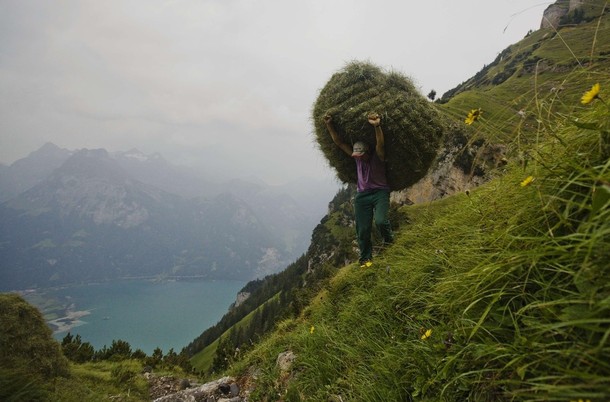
(498, 294)
(527, 80)
(493, 293)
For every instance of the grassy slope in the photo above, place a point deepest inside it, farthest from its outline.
(96, 381)
(203, 360)
(512, 281)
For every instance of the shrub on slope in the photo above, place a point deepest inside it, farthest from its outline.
(29, 356)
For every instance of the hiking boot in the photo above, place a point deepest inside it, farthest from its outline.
(366, 264)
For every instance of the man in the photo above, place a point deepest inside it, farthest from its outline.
(372, 200)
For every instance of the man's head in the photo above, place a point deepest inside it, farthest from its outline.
(359, 149)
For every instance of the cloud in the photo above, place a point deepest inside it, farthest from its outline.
(206, 77)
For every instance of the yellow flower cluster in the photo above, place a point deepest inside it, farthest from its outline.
(473, 115)
(590, 95)
(528, 180)
(427, 334)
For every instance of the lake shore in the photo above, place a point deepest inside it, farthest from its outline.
(71, 320)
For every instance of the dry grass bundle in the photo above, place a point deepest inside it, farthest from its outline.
(412, 126)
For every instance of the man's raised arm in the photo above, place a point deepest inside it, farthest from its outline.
(375, 121)
(328, 120)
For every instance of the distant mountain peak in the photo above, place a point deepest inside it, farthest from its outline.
(92, 163)
(47, 151)
(31, 170)
(48, 146)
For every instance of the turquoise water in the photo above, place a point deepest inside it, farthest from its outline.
(147, 314)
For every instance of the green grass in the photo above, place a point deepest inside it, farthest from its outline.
(510, 282)
(92, 382)
(202, 361)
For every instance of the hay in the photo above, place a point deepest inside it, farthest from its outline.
(411, 125)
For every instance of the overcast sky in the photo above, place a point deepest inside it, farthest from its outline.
(227, 85)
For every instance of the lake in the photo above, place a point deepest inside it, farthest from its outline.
(145, 314)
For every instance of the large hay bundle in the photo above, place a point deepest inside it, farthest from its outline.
(412, 127)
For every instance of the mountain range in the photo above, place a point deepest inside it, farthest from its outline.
(90, 215)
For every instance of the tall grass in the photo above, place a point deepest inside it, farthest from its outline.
(96, 381)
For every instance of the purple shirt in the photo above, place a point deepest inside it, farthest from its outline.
(371, 174)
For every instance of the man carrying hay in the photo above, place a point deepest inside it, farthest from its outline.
(372, 200)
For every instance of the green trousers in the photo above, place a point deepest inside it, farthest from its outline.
(368, 207)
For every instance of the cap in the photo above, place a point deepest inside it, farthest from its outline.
(359, 149)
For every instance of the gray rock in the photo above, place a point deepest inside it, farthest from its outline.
(284, 360)
(223, 389)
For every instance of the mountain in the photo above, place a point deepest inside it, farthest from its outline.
(92, 219)
(28, 171)
(290, 210)
(156, 171)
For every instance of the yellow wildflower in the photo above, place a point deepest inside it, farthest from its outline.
(312, 329)
(528, 180)
(473, 116)
(427, 334)
(590, 95)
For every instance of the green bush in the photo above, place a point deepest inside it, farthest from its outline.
(26, 342)
(123, 374)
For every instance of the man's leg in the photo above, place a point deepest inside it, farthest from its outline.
(382, 209)
(363, 211)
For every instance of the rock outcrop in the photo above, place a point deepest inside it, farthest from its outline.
(553, 14)
(172, 389)
(461, 165)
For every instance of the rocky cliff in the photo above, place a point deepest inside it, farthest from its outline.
(555, 12)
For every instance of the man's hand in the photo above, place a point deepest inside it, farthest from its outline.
(374, 119)
(328, 119)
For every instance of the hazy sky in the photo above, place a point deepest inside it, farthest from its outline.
(223, 84)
